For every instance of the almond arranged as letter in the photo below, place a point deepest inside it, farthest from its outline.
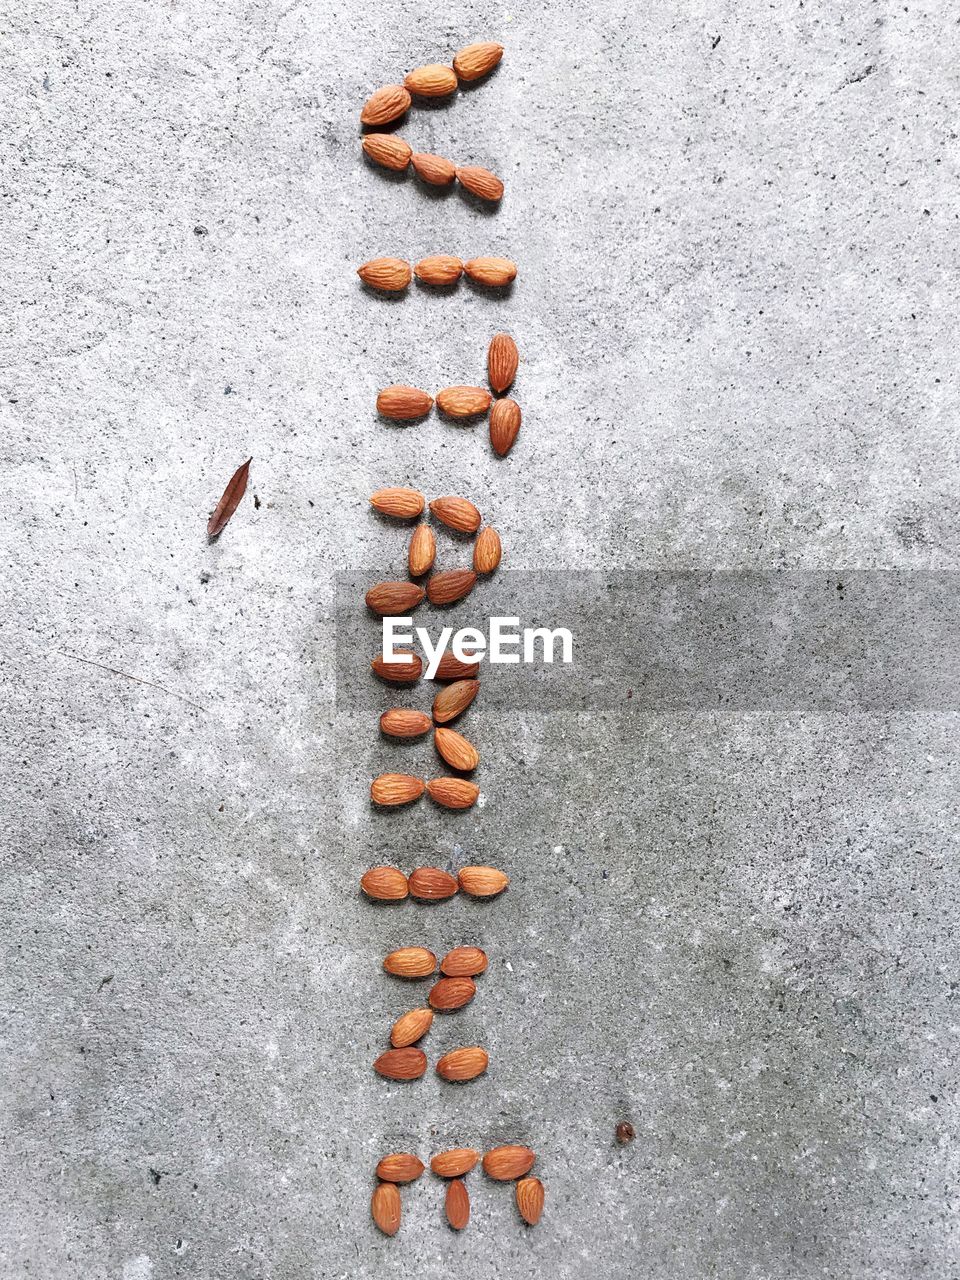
(502, 360)
(430, 884)
(385, 1208)
(456, 513)
(401, 1064)
(454, 1163)
(464, 962)
(463, 402)
(463, 1064)
(454, 699)
(482, 882)
(433, 81)
(399, 502)
(506, 1163)
(450, 667)
(398, 671)
(423, 551)
(410, 962)
(386, 884)
(530, 1200)
(456, 750)
(391, 275)
(388, 150)
(456, 1205)
(505, 419)
(451, 993)
(494, 272)
(477, 60)
(440, 269)
(410, 1027)
(393, 599)
(436, 170)
(453, 793)
(487, 551)
(403, 404)
(399, 1167)
(393, 789)
(405, 722)
(386, 105)
(481, 182)
(450, 585)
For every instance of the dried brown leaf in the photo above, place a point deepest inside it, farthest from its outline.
(230, 500)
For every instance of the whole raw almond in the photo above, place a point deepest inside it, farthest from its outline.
(505, 419)
(493, 272)
(403, 404)
(386, 884)
(503, 1164)
(385, 1208)
(411, 1027)
(455, 1162)
(454, 699)
(464, 962)
(482, 882)
(453, 793)
(474, 61)
(481, 182)
(401, 1064)
(456, 750)
(463, 402)
(399, 502)
(450, 667)
(422, 552)
(456, 1204)
(410, 962)
(405, 722)
(463, 1064)
(398, 671)
(456, 513)
(432, 81)
(393, 789)
(441, 269)
(487, 551)
(393, 599)
(390, 275)
(502, 360)
(437, 170)
(530, 1200)
(388, 150)
(450, 585)
(451, 993)
(400, 1167)
(386, 105)
(430, 884)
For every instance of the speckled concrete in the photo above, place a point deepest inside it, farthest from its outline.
(737, 307)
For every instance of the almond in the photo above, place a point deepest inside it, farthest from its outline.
(404, 722)
(503, 1164)
(399, 1167)
(463, 1064)
(455, 750)
(450, 667)
(464, 962)
(455, 1162)
(430, 884)
(451, 993)
(440, 269)
(482, 882)
(399, 502)
(463, 402)
(393, 789)
(401, 1064)
(423, 551)
(385, 1208)
(456, 513)
(454, 699)
(475, 61)
(386, 105)
(502, 360)
(398, 671)
(453, 793)
(393, 599)
(487, 551)
(436, 170)
(456, 1204)
(410, 962)
(450, 585)
(388, 274)
(495, 272)
(530, 1200)
(481, 182)
(403, 404)
(411, 1027)
(386, 884)
(388, 150)
(432, 81)
(504, 425)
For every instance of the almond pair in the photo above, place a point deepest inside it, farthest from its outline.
(393, 790)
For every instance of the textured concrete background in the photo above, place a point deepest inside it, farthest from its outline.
(736, 229)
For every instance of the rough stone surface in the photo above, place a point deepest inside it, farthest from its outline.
(736, 229)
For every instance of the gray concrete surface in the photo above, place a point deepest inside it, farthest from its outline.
(736, 229)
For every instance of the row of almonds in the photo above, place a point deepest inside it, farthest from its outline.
(393, 275)
(431, 884)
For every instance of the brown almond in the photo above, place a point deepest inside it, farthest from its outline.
(456, 513)
(393, 599)
(437, 170)
(456, 1204)
(502, 360)
(503, 1164)
(482, 882)
(463, 1064)
(451, 993)
(386, 105)
(430, 884)
(391, 790)
(405, 722)
(456, 750)
(411, 1027)
(475, 61)
(450, 667)
(398, 671)
(388, 150)
(530, 1200)
(422, 552)
(432, 81)
(463, 402)
(453, 793)
(403, 404)
(386, 884)
(493, 272)
(400, 1167)
(401, 1064)
(454, 699)
(481, 182)
(402, 503)
(441, 269)
(455, 1162)
(410, 962)
(505, 420)
(390, 275)
(487, 551)
(450, 585)
(385, 1208)
(464, 962)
